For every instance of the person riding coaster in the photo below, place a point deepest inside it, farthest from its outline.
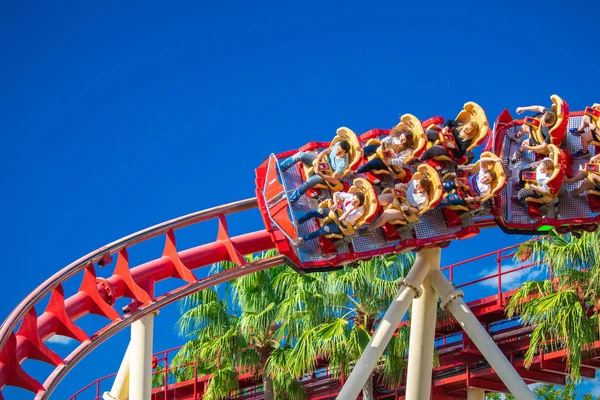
(589, 130)
(343, 215)
(547, 126)
(542, 182)
(456, 140)
(475, 184)
(324, 170)
(389, 156)
(405, 203)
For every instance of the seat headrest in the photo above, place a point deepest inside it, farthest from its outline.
(371, 203)
(556, 179)
(435, 189)
(419, 136)
(559, 129)
(355, 154)
(498, 168)
(473, 112)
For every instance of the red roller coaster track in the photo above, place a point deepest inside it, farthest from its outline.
(23, 333)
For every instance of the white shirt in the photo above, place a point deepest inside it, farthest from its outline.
(393, 141)
(542, 178)
(483, 188)
(346, 200)
(398, 161)
(418, 200)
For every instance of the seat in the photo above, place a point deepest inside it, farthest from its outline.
(419, 145)
(594, 114)
(435, 195)
(559, 130)
(496, 185)
(554, 183)
(593, 168)
(371, 206)
(471, 112)
(354, 158)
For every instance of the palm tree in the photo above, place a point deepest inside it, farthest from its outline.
(247, 329)
(355, 299)
(564, 311)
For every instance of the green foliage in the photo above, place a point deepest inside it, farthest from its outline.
(559, 309)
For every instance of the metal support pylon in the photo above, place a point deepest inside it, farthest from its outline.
(427, 265)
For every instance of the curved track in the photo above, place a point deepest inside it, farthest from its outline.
(23, 333)
(98, 295)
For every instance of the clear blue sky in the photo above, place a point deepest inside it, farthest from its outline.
(118, 116)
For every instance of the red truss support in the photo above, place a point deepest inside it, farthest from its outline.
(170, 251)
(223, 237)
(37, 349)
(11, 372)
(64, 324)
(133, 290)
(89, 286)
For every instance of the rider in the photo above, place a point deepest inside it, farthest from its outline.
(352, 210)
(480, 184)
(548, 119)
(399, 143)
(338, 160)
(592, 133)
(464, 134)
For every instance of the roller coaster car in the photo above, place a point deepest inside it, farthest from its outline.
(558, 130)
(471, 112)
(419, 145)
(354, 157)
(434, 195)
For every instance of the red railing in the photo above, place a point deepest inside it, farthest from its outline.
(499, 256)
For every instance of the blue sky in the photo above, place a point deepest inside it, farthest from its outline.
(119, 116)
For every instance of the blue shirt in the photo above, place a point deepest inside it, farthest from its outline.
(338, 164)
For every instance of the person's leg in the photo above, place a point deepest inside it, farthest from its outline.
(305, 157)
(581, 175)
(434, 151)
(452, 200)
(525, 193)
(325, 230)
(517, 154)
(371, 165)
(309, 183)
(449, 185)
(385, 199)
(585, 122)
(586, 138)
(585, 186)
(387, 216)
(319, 212)
(432, 135)
(370, 149)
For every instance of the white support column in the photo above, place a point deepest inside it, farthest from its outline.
(140, 363)
(479, 336)
(422, 338)
(426, 258)
(120, 387)
(475, 394)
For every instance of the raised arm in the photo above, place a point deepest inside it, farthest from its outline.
(539, 109)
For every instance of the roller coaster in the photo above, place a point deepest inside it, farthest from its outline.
(24, 333)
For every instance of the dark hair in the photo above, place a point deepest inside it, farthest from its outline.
(425, 183)
(345, 145)
(409, 139)
(361, 198)
(549, 117)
